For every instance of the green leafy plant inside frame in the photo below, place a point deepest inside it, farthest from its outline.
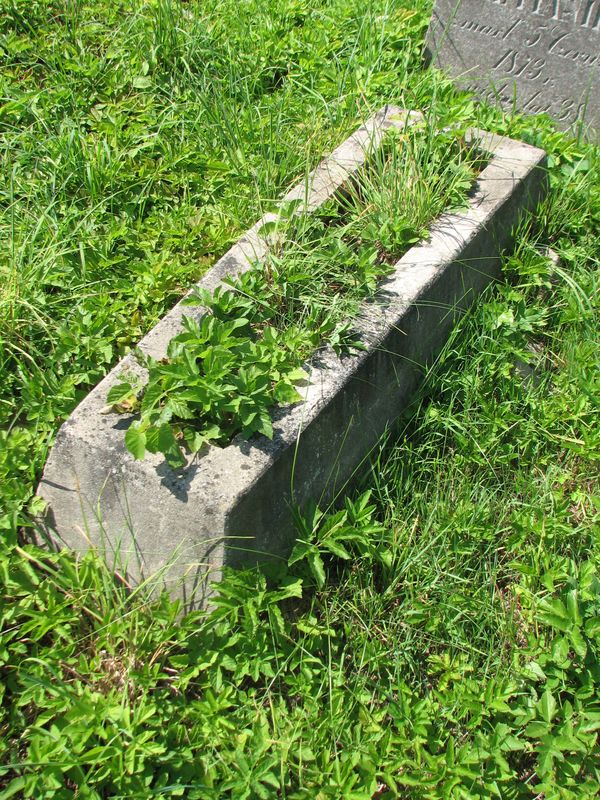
(223, 373)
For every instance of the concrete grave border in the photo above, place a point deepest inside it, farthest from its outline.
(232, 505)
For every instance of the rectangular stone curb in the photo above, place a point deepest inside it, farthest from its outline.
(232, 505)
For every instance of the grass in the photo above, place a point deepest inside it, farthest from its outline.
(436, 636)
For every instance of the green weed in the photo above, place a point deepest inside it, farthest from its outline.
(222, 375)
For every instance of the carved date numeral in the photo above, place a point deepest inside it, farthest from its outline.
(517, 63)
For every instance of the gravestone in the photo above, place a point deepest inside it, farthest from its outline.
(540, 55)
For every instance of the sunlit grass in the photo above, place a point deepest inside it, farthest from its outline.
(428, 630)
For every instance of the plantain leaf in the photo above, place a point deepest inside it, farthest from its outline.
(135, 440)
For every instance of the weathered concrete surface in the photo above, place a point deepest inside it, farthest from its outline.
(232, 504)
(543, 55)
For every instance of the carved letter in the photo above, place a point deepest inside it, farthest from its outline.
(511, 55)
(557, 40)
(536, 68)
(590, 15)
(515, 24)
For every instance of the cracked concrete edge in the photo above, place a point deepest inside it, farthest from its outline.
(233, 504)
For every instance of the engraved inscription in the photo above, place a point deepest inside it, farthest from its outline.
(585, 13)
(540, 55)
